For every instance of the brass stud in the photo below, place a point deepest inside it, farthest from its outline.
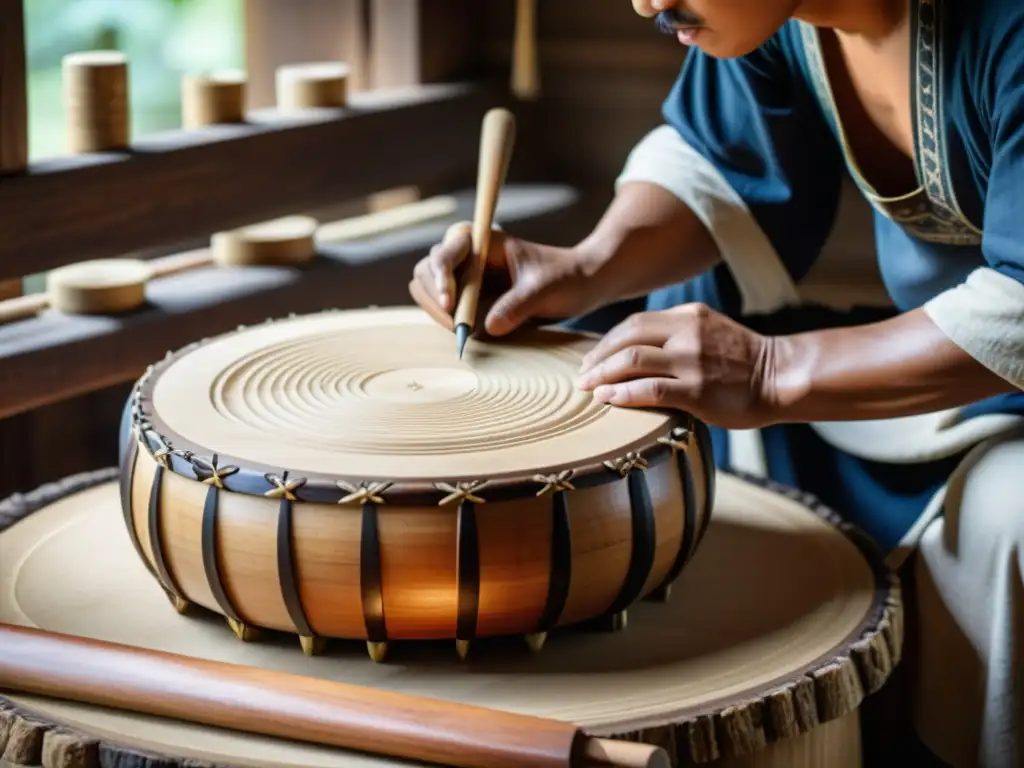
(181, 605)
(618, 621)
(244, 632)
(377, 651)
(462, 648)
(660, 595)
(536, 641)
(312, 646)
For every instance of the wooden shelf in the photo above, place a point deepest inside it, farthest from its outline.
(53, 356)
(185, 184)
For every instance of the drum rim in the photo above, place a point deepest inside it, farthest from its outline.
(836, 682)
(179, 455)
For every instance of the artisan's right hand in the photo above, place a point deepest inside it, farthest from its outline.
(522, 281)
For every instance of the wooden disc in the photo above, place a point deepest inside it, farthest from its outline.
(288, 240)
(99, 286)
(783, 622)
(381, 393)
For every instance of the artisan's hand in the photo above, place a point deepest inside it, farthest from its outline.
(523, 281)
(690, 358)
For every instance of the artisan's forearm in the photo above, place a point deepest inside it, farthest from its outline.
(646, 240)
(895, 368)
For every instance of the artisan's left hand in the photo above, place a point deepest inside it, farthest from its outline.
(691, 358)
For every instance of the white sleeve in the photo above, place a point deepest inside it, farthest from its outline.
(984, 316)
(663, 158)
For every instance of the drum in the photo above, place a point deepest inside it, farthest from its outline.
(345, 475)
(780, 626)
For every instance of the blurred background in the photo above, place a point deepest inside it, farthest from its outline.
(603, 73)
(163, 39)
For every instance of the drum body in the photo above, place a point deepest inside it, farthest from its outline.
(506, 505)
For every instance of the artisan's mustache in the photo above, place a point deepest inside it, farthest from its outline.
(670, 21)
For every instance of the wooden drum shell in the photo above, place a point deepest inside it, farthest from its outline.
(380, 572)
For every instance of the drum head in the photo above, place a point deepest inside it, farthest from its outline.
(382, 394)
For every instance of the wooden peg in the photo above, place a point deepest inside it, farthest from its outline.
(213, 98)
(96, 101)
(525, 63)
(309, 86)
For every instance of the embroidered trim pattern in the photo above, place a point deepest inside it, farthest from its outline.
(931, 212)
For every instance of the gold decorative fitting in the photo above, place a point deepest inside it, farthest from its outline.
(677, 440)
(214, 474)
(556, 483)
(460, 492)
(162, 454)
(627, 464)
(283, 489)
(364, 493)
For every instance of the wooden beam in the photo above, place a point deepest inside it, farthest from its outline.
(53, 357)
(13, 105)
(185, 184)
(13, 88)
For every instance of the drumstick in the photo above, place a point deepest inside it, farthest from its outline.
(270, 703)
(496, 140)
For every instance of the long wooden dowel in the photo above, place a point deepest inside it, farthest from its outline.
(271, 703)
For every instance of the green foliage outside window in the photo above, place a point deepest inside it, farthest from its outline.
(162, 39)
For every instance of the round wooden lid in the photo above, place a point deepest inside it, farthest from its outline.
(381, 394)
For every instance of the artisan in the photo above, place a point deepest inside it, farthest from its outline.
(907, 421)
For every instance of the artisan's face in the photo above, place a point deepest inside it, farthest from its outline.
(721, 28)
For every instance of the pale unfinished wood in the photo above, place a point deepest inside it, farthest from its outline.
(268, 167)
(116, 286)
(525, 80)
(213, 98)
(53, 357)
(277, 34)
(761, 706)
(312, 86)
(96, 101)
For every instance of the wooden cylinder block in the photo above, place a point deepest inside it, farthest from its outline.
(309, 86)
(96, 101)
(289, 240)
(212, 98)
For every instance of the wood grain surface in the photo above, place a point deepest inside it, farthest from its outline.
(174, 186)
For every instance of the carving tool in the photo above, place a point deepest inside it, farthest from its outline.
(497, 138)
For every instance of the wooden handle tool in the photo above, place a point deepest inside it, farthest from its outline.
(525, 64)
(497, 138)
(271, 703)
